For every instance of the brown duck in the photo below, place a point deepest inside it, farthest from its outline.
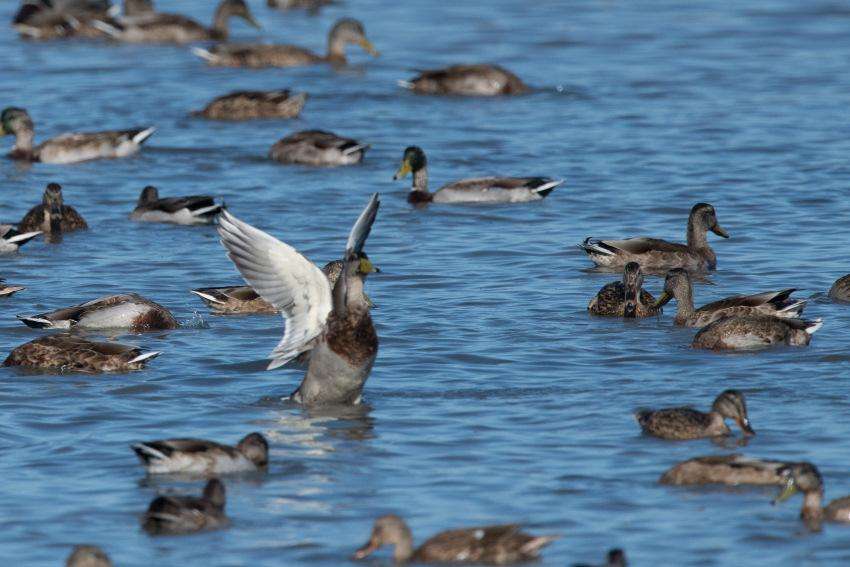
(248, 105)
(318, 148)
(202, 457)
(753, 332)
(688, 423)
(88, 556)
(170, 515)
(725, 469)
(626, 298)
(840, 290)
(805, 478)
(467, 80)
(70, 353)
(122, 311)
(52, 216)
(6, 290)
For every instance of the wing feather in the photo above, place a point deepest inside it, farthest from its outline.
(361, 229)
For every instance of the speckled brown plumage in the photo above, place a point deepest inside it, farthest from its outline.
(688, 423)
(168, 515)
(88, 556)
(352, 337)
(610, 301)
(70, 353)
(246, 105)
(724, 469)
(52, 215)
(840, 290)
(468, 80)
(753, 332)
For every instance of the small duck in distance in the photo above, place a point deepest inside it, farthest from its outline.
(173, 515)
(52, 216)
(752, 332)
(467, 80)
(6, 290)
(193, 209)
(249, 105)
(687, 423)
(198, 456)
(625, 298)
(806, 478)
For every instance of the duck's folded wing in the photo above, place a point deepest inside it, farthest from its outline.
(284, 278)
(644, 245)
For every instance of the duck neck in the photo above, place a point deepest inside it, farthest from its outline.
(221, 22)
(812, 511)
(23, 142)
(420, 180)
(336, 49)
(684, 302)
(403, 548)
(697, 236)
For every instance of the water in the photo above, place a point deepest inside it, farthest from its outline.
(494, 397)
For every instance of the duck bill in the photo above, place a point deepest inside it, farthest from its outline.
(663, 300)
(367, 550)
(787, 492)
(719, 231)
(368, 47)
(745, 426)
(402, 171)
(367, 267)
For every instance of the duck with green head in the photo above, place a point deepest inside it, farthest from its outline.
(625, 298)
(688, 423)
(806, 478)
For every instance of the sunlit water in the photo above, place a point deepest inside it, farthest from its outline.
(494, 397)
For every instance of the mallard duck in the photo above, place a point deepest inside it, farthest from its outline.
(678, 285)
(256, 56)
(754, 332)
(88, 556)
(467, 80)
(626, 298)
(68, 148)
(309, 5)
(334, 324)
(170, 515)
(805, 478)
(52, 19)
(696, 255)
(688, 423)
(52, 215)
(614, 558)
(7, 290)
(247, 105)
(70, 353)
(478, 190)
(11, 239)
(840, 290)
(194, 209)
(197, 456)
(495, 545)
(725, 469)
(318, 148)
(129, 310)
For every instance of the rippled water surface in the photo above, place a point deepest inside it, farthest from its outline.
(494, 397)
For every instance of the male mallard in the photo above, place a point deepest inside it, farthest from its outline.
(171, 515)
(840, 290)
(11, 239)
(70, 353)
(806, 478)
(7, 290)
(495, 545)
(626, 298)
(68, 148)
(259, 55)
(467, 80)
(614, 558)
(725, 469)
(477, 190)
(688, 423)
(334, 323)
(678, 285)
(52, 216)
(652, 253)
(88, 556)
(197, 456)
(754, 332)
(194, 209)
(247, 105)
(318, 148)
(130, 310)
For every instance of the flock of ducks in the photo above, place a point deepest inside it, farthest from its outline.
(328, 326)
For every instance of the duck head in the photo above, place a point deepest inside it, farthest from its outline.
(389, 530)
(255, 447)
(214, 493)
(632, 284)
(88, 556)
(14, 120)
(731, 405)
(239, 9)
(149, 195)
(676, 284)
(52, 199)
(704, 217)
(350, 31)
(413, 160)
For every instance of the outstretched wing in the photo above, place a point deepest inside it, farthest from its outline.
(361, 229)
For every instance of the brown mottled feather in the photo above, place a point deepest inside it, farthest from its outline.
(245, 105)
(611, 301)
(36, 219)
(726, 469)
(75, 354)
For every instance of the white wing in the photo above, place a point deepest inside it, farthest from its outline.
(284, 278)
(363, 226)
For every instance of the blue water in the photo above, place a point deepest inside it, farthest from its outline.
(495, 398)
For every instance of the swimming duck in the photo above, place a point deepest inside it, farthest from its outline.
(495, 545)
(88, 556)
(688, 423)
(129, 310)
(805, 478)
(7, 290)
(755, 331)
(318, 148)
(170, 515)
(334, 324)
(70, 353)
(467, 80)
(11, 239)
(68, 148)
(840, 290)
(678, 285)
(52, 216)
(197, 456)
(247, 105)
(614, 558)
(312, 6)
(256, 56)
(194, 209)
(53, 19)
(696, 255)
(477, 190)
(626, 298)
(725, 469)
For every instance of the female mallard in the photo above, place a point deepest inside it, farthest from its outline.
(197, 456)
(70, 353)
(7, 290)
(48, 19)
(194, 209)
(725, 469)
(68, 148)
(171, 515)
(88, 556)
(840, 290)
(754, 332)
(494, 545)
(130, 310)
(688, 423)
(467, 80)
(256, 56)
(806, 478)
(614, 558)
(652, 253)
(318, 148)
(334, 324)
(11, 239)
(312, 6)
(478, 190)
(52, 216)
(247, 105)
(626, 298)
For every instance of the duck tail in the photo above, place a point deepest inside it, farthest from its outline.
(106, 28)
(204, 54)
(22, 238)
(146, 453)
(405, 84)
(35, 322)
(355, 148)
(595, 246)
(532, 547)
(792, 309)
(209, 211)
(813, 325)
(140, 136)
(10, 289)
(144, 357)
(546, 186)
(206, 296)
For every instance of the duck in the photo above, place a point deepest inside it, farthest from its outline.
(477, 190)
(688, 423)
(52, 216)
(68, 148)
(11, 239)
(312, 6)
(334, 324)
(806, 478)
(467, 80)
(198, 456)
(7, 290)
(751, 332)
(88, 556)
(249, 105)
(172, 515)
(731, 470)
(51, 19)
(257, 56)
(318, 148)
(123, 311)
(494, 545)
(614, 558)
(657, 254)
(193, 209)
(840, 290)
(70, 353)
(626, 298)
(678, 285)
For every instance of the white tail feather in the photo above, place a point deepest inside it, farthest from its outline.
(206, 296)
(354, 149)
(204, 53)
(814, 326)
(145, 356)
(22, 238)
(206, 210)
(795, 307)
(547, 186)
(108, 29)
(148, 450)
(143, 135)
(405, 84)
